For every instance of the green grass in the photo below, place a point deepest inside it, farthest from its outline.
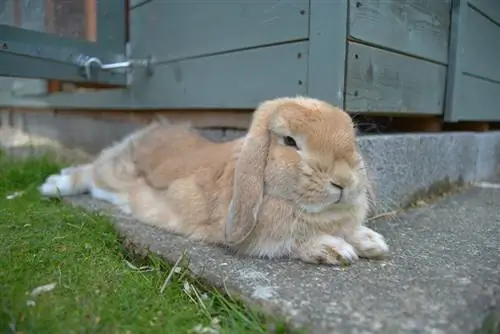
(100, 286)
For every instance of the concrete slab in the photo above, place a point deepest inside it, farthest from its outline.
(443, 277)
(406, 166)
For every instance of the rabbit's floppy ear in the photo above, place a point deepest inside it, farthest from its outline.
(248, 183)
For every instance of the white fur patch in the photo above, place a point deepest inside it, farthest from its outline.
(368, 243)
(56, 185)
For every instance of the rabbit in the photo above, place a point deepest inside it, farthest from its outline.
(294, 186)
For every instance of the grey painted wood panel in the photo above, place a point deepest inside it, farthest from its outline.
(30, 67)
(381, 81)
(327, 50)
(489, 7)
(479, 100)
(135, 3)
(175, 29)
(419, 28)
(474, 51)
(233, 80)
(481, 41)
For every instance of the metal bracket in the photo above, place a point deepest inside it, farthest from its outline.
(89, 65)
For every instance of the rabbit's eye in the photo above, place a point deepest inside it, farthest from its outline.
(289, 141)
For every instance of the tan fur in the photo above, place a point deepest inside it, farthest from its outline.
(255, 194)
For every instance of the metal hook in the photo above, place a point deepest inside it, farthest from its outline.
(86, 64)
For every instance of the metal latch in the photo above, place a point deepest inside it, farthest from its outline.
(90, 64)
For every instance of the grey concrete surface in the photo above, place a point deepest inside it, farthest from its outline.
(443, 275)
(406, 166)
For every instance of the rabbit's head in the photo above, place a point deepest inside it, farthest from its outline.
(301, 150)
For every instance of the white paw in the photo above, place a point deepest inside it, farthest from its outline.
(56, 185)
(329, 249)
(368, 243)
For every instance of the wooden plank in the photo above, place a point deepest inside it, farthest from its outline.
(418, 28)
(18, 13)
(173, 30)
(417, 124)
(491, 8)
(384, 82)
(481, 41)
(90, 20)
(53, 86)
(127, 20)
(467, 126)
(473, 85)
(233, 80)
(327, 50)
(455, 60)
(478, 100)
(49, 16)
(135, 3)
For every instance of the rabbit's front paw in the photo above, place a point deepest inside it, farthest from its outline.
(327, 249)
(56, 185)
(368, 243)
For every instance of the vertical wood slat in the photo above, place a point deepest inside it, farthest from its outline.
(327, 50)
(49, 16)
(53, 86)
(127, 20)
(91, 20)
(473, 89)
(18, 13)
(454, 59)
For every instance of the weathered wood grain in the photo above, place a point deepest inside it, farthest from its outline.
(489, 7)
(477, 99)
(419, 28)
(176, 29)
(135, 3)
(327, 50)
(384, 82)
(473, 85)
(480, 46)
(232, 80)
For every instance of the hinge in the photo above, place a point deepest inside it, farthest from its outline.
(91, 65)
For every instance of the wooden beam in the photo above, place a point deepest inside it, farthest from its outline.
(467, 126)
(127, 20)
(53, 86)
(417, 124)
(18, 13)
(91, 20)
(50, 16)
